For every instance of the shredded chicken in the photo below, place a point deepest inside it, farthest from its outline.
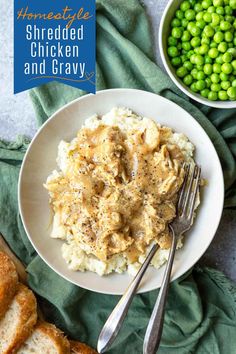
(119, 190)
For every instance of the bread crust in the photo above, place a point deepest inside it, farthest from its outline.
(8, 282)
(80, 348)
(60, 341)
(27, 317)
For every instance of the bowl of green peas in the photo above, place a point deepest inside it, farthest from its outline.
(197, 40)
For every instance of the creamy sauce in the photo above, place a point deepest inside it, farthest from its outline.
(119, 191)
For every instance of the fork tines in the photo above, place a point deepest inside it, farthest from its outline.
(189, 191)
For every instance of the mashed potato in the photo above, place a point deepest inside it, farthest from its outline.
(115, 192)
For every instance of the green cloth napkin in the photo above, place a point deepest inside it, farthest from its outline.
(201, 308)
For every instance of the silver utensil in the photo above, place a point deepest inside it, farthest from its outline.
(181, 224)
(115, 320)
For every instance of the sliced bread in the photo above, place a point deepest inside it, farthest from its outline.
(45, 339)
(8, 282)
(18, 321)
(80, 348)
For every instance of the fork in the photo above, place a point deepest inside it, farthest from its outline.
(181, 224)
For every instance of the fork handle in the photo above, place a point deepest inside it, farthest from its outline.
(154, 330)
(116, 318)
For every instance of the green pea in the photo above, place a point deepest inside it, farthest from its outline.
(231, 92)
(199, 67)
(172, 41)
(206, 3)
(184, 22)
(199, 60)
(192, 2)
(208, 60)
(196, 50)
(225, 85)
(216, 68)
(186, 46)
(218, 37)
(194, 73)
(183, 58)
(193, 87)
(233, 63)
(231, 78)
(211, 9)
(173, 52)
(176, 61)
(223, 95)
(222, 47)
(190, 53)
(227, 57)
(190, 14)
(220, 10)
(195, 41)
(193, 58)
(175, 22)
(218, 3)
(200, 85)
(224, 77)
(205, 40)
(185, 6)
(198, 7)
(203, 49)
(181, 72)
(228, 10)
(219, 59)
(215, 78)
(207, 17)
(215, 19)
(200, 75)
(212, 96)
(232, 3)
(186, 36)
(190, 26)
(213, 44)
(215, 87)
(188, 65)
(201, 24)
(205, 93)
(199, 16)
(188, 79)
(207, 69)
(226, 68)
(195, 31)
(179, 14)
(233, 83)
(229, 18)
(208, 31)
(213, 53)
(225, 26)
(176, 32)
(232, 51)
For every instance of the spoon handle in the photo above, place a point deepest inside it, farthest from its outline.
(116, 318)
(154, 329)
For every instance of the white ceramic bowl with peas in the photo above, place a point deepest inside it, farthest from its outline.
(197, 41)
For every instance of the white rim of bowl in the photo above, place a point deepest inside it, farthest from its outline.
(196, 97)
(185, 269)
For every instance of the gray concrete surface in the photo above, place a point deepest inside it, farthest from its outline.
(17, 117)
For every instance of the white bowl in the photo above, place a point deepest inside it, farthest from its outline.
(40, 160)
(164, 32)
